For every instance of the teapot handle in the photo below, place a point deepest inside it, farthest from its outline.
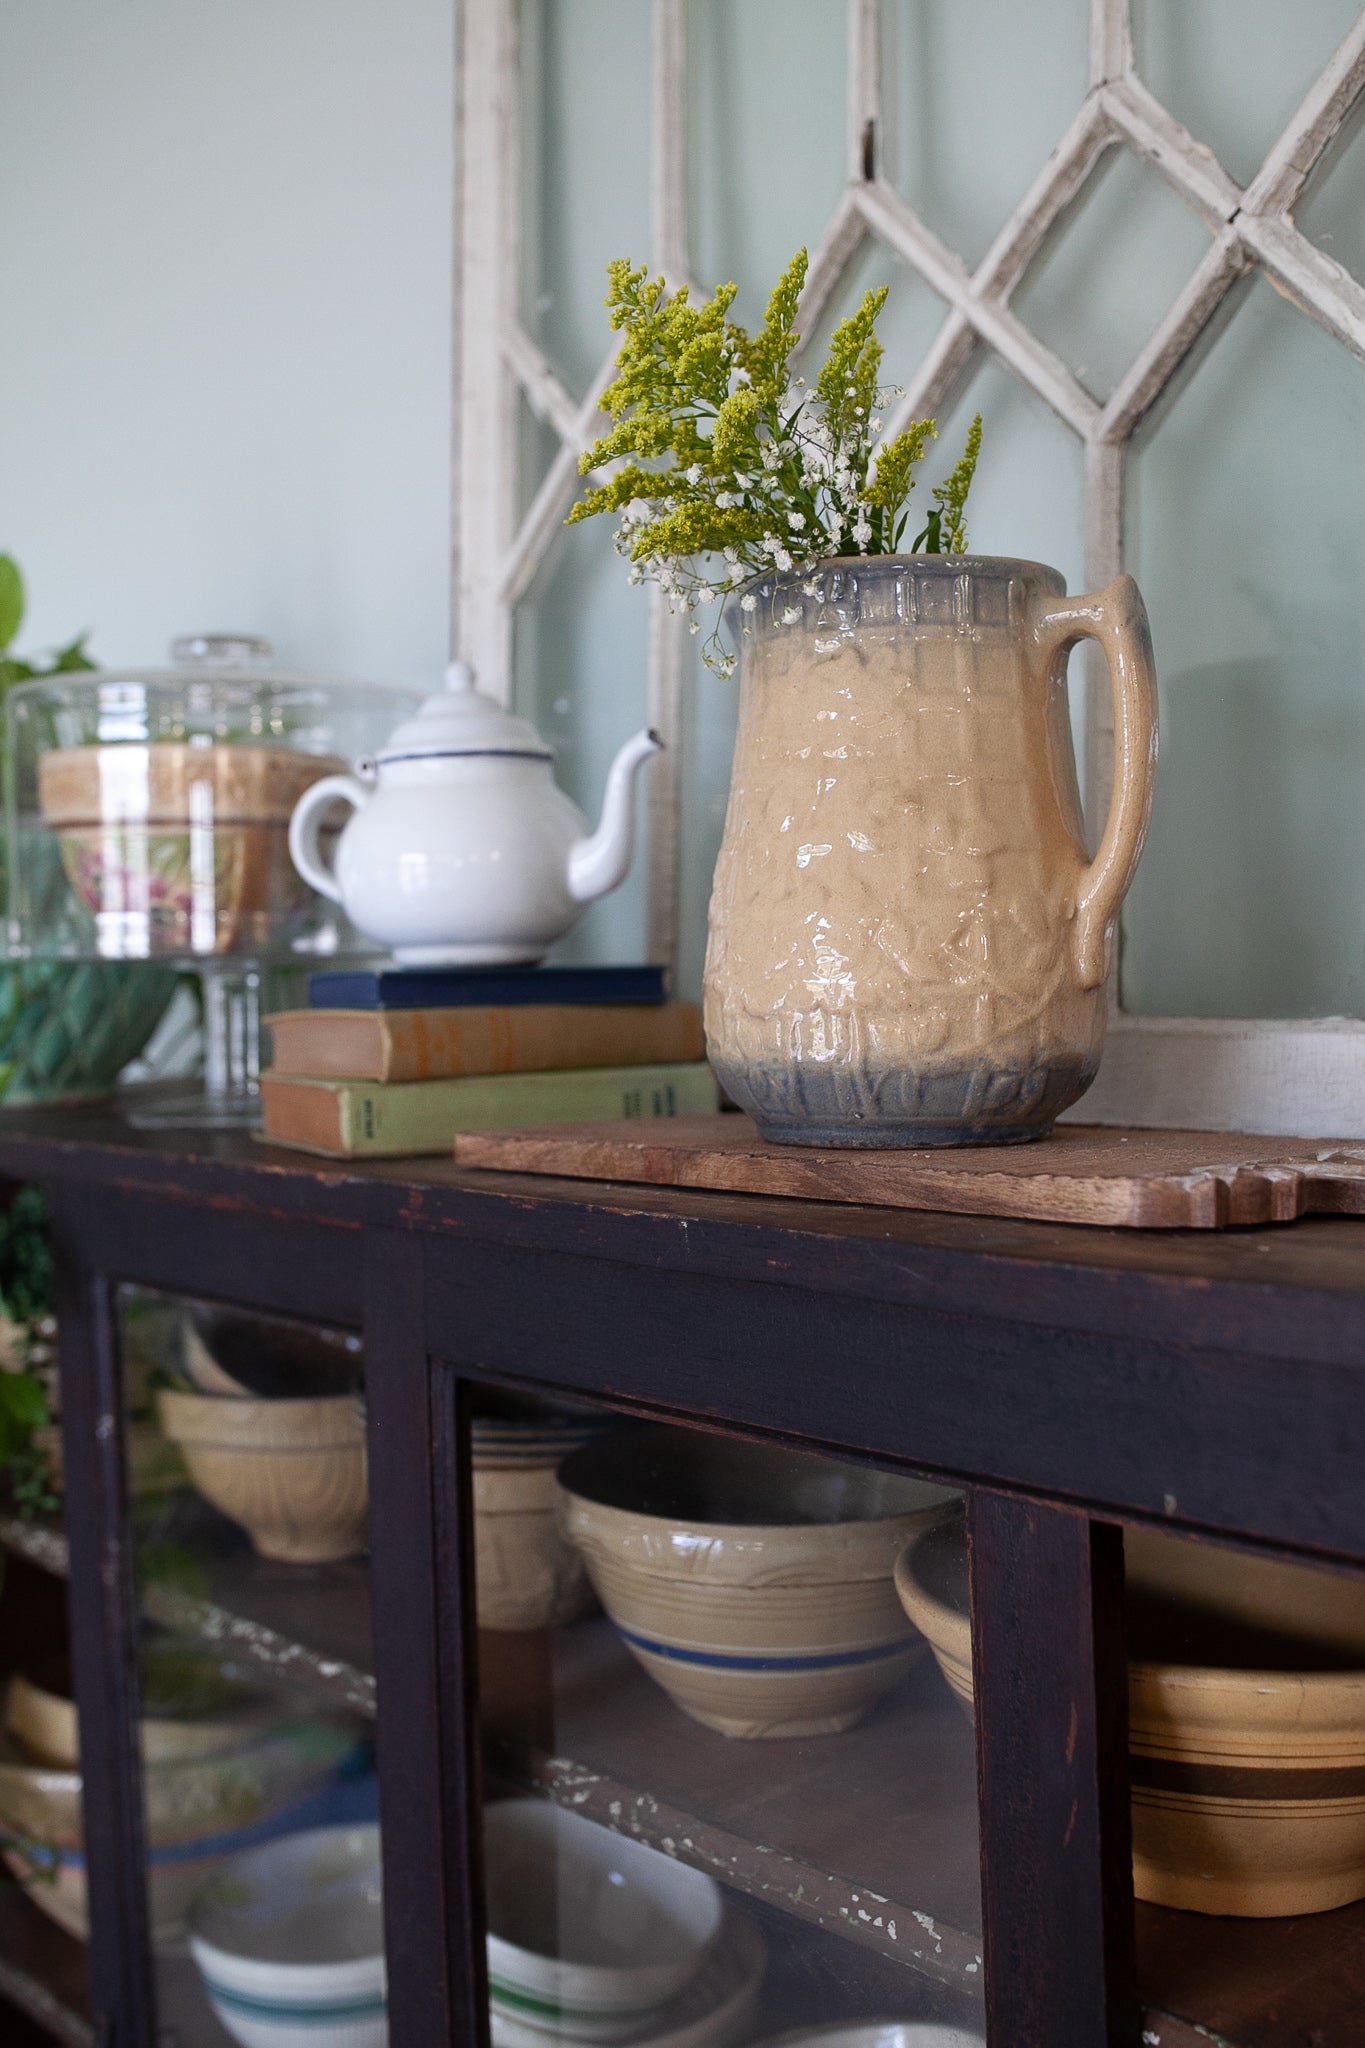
(1117, 618)
(306, 821)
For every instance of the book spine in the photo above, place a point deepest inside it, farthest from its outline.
(419, 1045)
(392, 1120)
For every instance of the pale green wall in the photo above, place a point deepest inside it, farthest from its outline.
(225, 236)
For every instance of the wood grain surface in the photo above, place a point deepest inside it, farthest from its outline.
(1154, 1180)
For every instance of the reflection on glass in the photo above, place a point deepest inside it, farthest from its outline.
(260, 1807)
(1247, 1730)
(727, 1790)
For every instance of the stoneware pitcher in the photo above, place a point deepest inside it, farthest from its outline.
(908, 941)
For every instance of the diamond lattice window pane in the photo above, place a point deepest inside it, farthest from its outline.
(909, 320)
(537, 447)
(1120, 257)
(1247, 532)
(1232, 73)
(765, 142)
(1332, 213)
(585, 170)
(580, 662)
(974, 101)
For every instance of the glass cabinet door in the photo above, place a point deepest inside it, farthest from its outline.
(246, 1458)
(730, 1789)
(1247, 1741)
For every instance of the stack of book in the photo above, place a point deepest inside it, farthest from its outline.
(389, 1063)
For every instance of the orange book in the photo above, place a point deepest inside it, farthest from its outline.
(433, 1045)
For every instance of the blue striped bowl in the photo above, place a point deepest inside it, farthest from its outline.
(288, 1940)
(752, 1582)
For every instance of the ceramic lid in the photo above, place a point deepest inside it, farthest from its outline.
(462, 719)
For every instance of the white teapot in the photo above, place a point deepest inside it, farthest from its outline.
(461, 851)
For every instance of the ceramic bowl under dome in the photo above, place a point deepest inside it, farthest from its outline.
(149, 808)
(753, 1583)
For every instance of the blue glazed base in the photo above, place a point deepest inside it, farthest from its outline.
(896, 1137)
(807, 1104)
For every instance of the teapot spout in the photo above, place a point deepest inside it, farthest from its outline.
(599, 864)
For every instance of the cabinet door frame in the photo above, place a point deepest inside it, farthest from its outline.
(1293, 1076)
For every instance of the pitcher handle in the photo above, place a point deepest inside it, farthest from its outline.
(305, 822)
(1117, 618)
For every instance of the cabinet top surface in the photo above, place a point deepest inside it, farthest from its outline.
(829, 1245)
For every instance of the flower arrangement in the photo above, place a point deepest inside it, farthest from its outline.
(727, 468)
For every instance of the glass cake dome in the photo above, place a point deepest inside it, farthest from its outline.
(147, 818)
(148, 809)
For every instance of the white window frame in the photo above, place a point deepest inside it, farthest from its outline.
(1303, 1077)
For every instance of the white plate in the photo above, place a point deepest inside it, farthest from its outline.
(879, 2034)
(713, 2012)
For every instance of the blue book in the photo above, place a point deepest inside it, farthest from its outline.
(457, 988)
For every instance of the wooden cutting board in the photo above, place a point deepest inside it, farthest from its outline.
(1153, 1180)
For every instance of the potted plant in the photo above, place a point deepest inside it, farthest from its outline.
(908, 942)
(67, 1028)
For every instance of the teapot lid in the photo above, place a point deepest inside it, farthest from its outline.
(462, 719)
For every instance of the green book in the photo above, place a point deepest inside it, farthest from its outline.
(388, 1119)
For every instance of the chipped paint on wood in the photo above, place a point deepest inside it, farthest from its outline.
(822, 1898)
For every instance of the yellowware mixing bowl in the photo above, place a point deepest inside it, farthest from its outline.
(752, 1582)
(292, 1473)
(1246, 1697)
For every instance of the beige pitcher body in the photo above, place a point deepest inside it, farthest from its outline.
(908, 941)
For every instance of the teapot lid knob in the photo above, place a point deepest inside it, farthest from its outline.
(459, 676)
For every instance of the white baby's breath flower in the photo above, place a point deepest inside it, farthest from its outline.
(748, 603)
(705, 594)
(731, 555)
(726, 665)
(692, 626)
(862, 530)
(723, 501)
(771, 457)
(875, 422)
(811, 588)
(783, 558)
(796, 521)
(693, 473)
(791, 615)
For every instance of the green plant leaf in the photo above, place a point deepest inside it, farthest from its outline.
(72, 659)
(23, 1408)
(11, 599)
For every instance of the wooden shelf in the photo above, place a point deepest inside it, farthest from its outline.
(871, 1835)
(308, 1624)
(43, 1970)
(1253, 1983)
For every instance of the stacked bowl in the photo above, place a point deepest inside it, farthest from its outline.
(1246, 1691)
(526, 1575)
(752, 1582)
(595, 1938)
(289, 1942)
(274, 1439)
(213, 1777)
